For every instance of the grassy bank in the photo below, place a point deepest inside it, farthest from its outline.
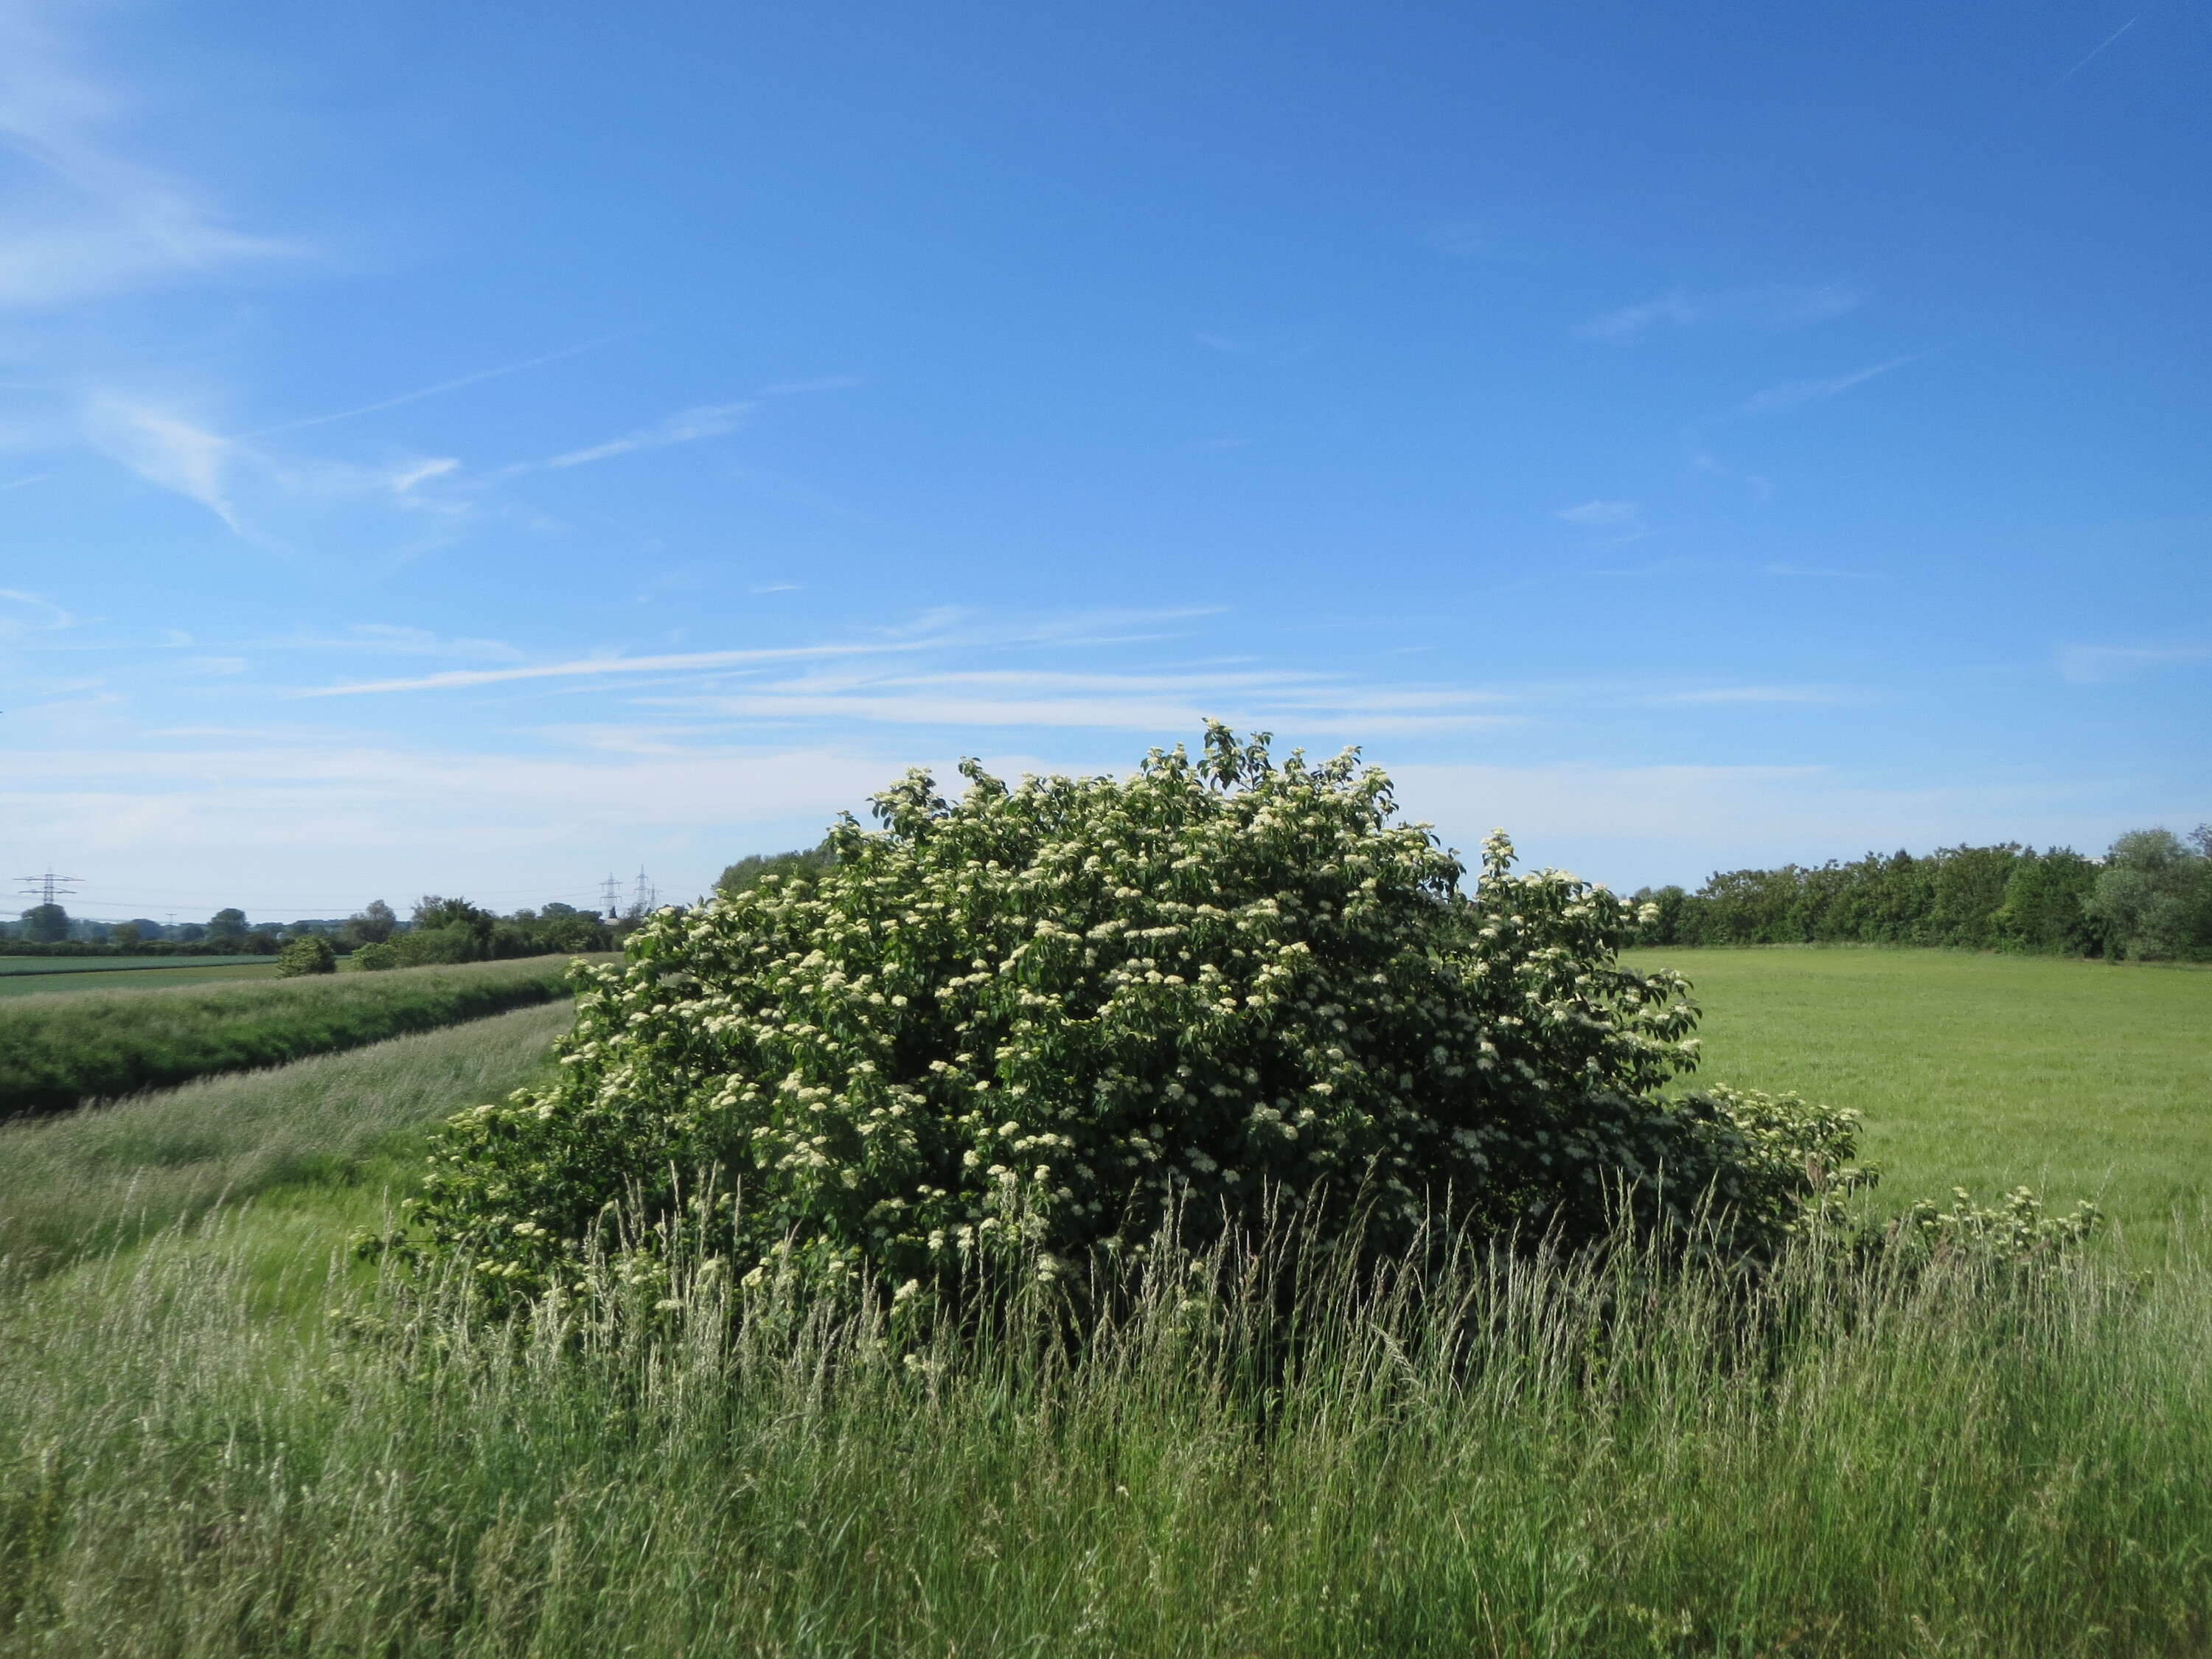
(1963, 1466)
(81, 1182)
(2087, 1079)
(197, 1461)
(60, 1050)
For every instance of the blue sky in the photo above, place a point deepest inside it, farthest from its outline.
(477, 448)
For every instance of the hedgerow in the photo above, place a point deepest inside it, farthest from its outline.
(1059, 1018)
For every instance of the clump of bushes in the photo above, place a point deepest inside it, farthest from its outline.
(448, 931)
(750, 871)
(1056, 1020)
(311, 953)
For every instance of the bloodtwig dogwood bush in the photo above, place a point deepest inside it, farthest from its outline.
(1063, 1017)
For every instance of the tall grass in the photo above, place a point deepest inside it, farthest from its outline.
(85, 1182)
(59, 1051)
(1497, 1457)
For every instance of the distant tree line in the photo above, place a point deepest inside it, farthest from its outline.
(449, 930)
(2149, 898)
(440, 930)
(745, 874)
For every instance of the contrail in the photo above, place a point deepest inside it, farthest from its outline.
(2107, 41)
(442, 386)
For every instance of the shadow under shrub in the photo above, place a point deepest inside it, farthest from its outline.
(1037, 1022)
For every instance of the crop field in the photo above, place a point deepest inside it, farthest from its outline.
(49, 978)
(13, 966)
(2085, 1080)
(223, 1434)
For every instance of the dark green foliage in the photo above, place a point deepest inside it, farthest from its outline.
(2045, 905)
(1055, 1018)
(2151, 897)
(371, 925)
(747, 873)
(47, 924)
(445, 931)
(59, 1050)
(454, 930)
(556, 928)
(308, 954)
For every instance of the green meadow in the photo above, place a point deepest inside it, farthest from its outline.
(222, 1434)
(2086, 1080)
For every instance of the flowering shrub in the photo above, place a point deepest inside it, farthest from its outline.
(1047, 1020)
(2014, 1230)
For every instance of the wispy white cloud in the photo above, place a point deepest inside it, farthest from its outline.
(1795, 394)
(1155, 703)
(272, 501)
(462, 678)
(91, 221)
(1461, 239)
(819, 383)
(1631, 320)
(685, 426)
(1603, 515)
(164, 448)
(939, 629)
(2100, 665)
(406, 477)
(1815, 571)
(1761, 486)
(22, 613)
(1615, 520)
(399, 639)
(1761, 694)
(1774, 305)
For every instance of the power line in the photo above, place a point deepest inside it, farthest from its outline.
(44, 887)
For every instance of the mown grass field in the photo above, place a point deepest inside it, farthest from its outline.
(2086, 1080)
(197, 1459)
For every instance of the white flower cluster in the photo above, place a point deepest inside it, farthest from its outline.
(1043, 1018)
